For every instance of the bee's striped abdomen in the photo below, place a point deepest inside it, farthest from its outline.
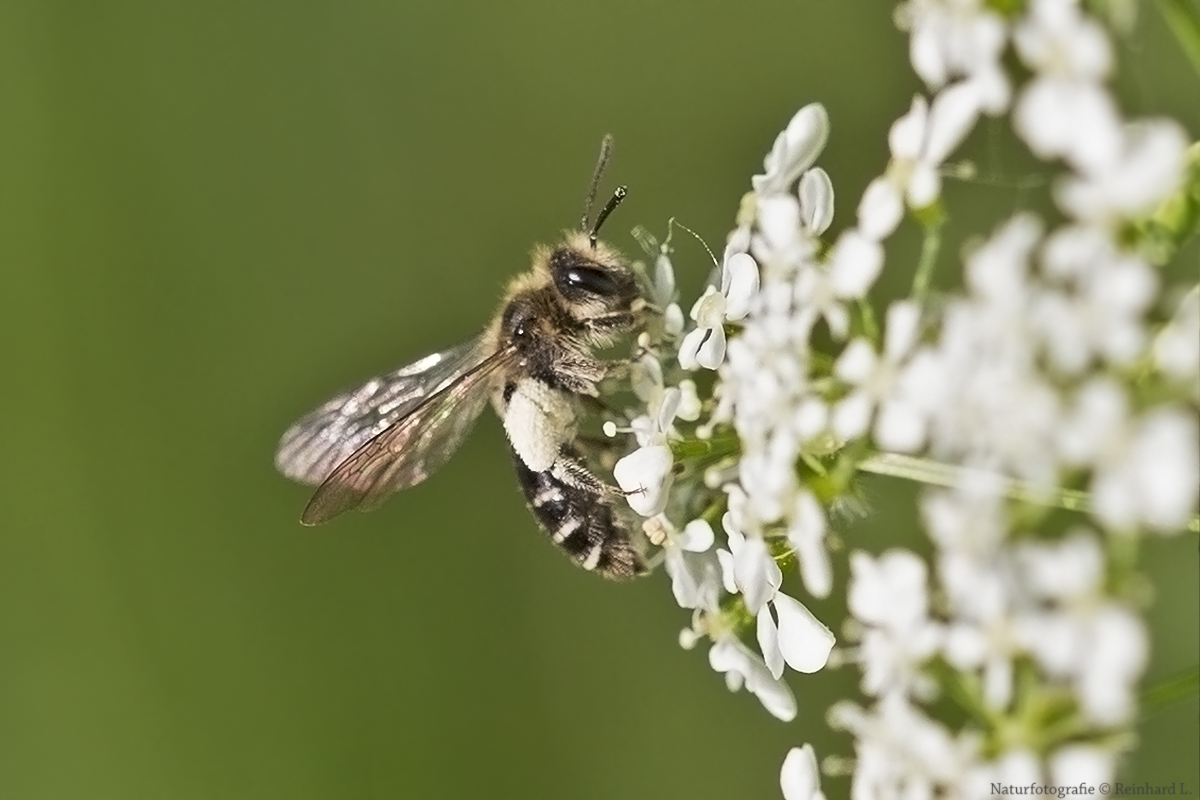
(579, 519)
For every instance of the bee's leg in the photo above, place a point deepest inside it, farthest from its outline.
(613, 324)
(571, 470)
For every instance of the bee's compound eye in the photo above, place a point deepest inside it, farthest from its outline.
(591, 280)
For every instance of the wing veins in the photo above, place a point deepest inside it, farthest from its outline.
(394, 458)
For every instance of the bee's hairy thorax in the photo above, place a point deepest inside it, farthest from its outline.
(574, 300)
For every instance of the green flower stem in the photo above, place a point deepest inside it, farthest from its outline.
(1176, 689)
(1184, 21)
(715, 448)
(932, 219)
(936, 473)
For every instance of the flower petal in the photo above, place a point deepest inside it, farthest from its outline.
(924, 185)
(739, 283)
(803, 639)
(903, 321)
(690, 346)
(668, 407)
(806, 533)
(899, 427)
(857, 363)
(880, 210)
(673, 320)
(854, 264)
(725, 561)
(757, 574)
(799, 778)
(852, 415)
(794, 151)
(646, 475)
(712, 349)
(695, 578)
(816, 200)
(664, 280)
(709, 309)
(768, 641)
(697, 536)
(951, 118)
(907, 134)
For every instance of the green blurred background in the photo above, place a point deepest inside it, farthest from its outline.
(213, 215)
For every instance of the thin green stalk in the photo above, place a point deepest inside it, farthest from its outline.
(936, 473)
(932, 220)
(1176, 689)
(1184, 21)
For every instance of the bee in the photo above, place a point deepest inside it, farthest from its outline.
(536, 362)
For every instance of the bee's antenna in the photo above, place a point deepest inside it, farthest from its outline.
(612, 203)
(606, 148)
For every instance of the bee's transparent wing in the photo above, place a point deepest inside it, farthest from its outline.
(313, 448)
(410, 449)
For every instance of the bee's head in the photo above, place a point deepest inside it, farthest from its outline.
(591, 281)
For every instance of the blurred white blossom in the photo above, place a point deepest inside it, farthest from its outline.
(799, 778)
(1048, 377)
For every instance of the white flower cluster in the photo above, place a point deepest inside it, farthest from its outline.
(1026, 378)
(1050, 368)
(773, 289)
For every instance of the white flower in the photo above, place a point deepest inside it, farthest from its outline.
(1145, 168)
(854, 263)
(984, 367)
(806, 534)
(749, 567)
(1096, 305)
(662, 403)
(1177, 346)
(900, 425)
(921, 140)
(795, 149)
(967, 519)
(900, 752)
(982, 634)
(1055, 37)
(741, 667)
(782, 242)
(950, 39)
(799, 777)
(705, 346)
(1069, 570)
(645, 476)
(1145, 470)
(1114, 655)
(1082, 763)
(816, 201)
(694, 570)
(1095, 426)
(1070, 119)
(1016, 767)
(798, 638)
(1152, 479)
(690, 405)
(1066, 111)
(663, 294)
(889, 595)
